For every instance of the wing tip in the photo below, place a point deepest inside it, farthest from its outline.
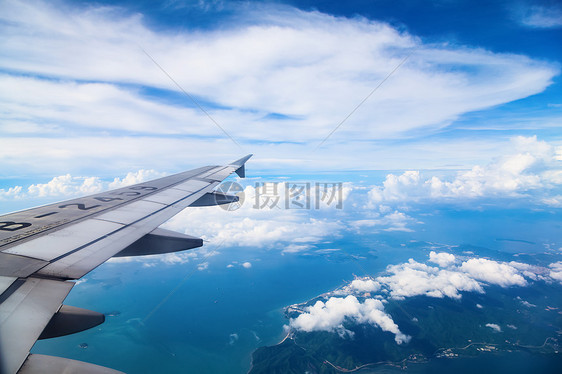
(240, 162)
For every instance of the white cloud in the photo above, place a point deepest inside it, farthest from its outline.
(385, 221)
(233, 338)
(68, 186)
(414, 278)
(542, 17)
(257, 61)
(119, 154)
(247, 265)
(365, 285)
(532, 165)
(291, 230)
(527, 304)
(11, 193)
(553, 201)
(556, 271)
(65, 185)
(331, 315)
(530, 271)
(203, 266)
(135, 177)
(494, 327)
(263, 62)
(443, 259)
(175, 258)
(493, 272)
(296, 248)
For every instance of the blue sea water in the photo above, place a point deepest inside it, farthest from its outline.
(176, 318)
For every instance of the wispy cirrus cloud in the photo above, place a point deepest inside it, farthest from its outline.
(544, 17)
(276, 78)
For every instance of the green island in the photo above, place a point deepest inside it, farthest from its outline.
(443, 331)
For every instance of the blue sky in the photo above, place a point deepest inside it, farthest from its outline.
(81, 97)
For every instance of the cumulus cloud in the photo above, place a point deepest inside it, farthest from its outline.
(331, 315)
(247, 265)
(176, 257)
(494, 327)
(532, 272)
(443, 259)
(135, 177)
(11, 193)
(365, 285)
(556, 271)
(493, 272)
(64, 185)
(414, 278)
(68, 185)
(532, 165)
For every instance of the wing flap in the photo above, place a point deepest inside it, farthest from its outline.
(79, 263)
(24, 313)
(19, 266)
(161, 241)
(41, 364)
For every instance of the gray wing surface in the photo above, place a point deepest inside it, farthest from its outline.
(44, 250)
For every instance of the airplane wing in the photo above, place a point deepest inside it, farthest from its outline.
(44, 250)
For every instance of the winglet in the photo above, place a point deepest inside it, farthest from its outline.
(241, 169)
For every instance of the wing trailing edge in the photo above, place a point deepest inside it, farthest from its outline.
(41, 364)
(161, 241)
